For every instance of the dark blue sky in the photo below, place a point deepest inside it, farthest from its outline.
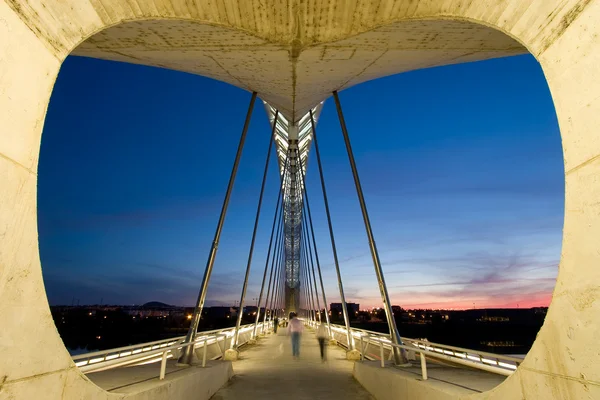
(461, 167)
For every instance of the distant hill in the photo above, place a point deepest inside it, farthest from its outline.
(157, 304)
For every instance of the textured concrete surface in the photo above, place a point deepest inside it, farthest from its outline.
(142, 382)
(120, 378)
(268, 371)
(300, 81)
(293, 53)
(444, 382)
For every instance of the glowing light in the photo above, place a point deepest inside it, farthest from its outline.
(487, 361)
(189, 316)
(507, 365)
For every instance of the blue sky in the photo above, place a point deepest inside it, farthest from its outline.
(461, 168)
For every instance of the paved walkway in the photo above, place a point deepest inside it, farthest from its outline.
(268, 371)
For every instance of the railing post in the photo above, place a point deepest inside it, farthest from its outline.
(204, 353)
(224, 343)
(362, 351)
(381, 354)
(163, 365)
(423, 367)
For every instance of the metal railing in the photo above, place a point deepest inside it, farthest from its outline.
(213, 342)
(490, 362)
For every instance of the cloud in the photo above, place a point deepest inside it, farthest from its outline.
(137, 283)
(458, 281)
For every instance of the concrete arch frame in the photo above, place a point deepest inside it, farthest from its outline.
(36, 36)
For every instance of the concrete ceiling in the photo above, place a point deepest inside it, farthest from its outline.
(289, 74)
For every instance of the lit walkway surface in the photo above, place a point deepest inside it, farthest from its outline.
(268, 371)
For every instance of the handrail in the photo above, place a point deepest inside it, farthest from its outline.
(496, 363)
(143, 352)
(126, 348)
(469, 363)
(420, 343)
(146, 344)
(385, 335)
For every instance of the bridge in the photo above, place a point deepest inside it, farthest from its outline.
(292, 56)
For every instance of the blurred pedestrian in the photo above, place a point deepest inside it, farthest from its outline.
(295, 329)
(322, 335)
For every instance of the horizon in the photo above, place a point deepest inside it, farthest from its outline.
(250, 305)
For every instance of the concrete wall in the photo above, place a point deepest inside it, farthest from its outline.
(36, 36)
(391, 384)
(195, 384)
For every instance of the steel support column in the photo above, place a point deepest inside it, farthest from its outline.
(278, 211)
(308, 280)
(234, 342)
(274, 261)
(308, 251)
(399, 356)
(308, 222)
(278, 291)
(308, 254)
(260, 297)
(188, 353)
(333, 246)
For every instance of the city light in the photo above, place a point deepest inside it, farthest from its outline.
(189, 316)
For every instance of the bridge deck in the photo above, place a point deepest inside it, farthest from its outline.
(268, 371)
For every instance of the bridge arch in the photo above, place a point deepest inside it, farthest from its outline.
(37, 37)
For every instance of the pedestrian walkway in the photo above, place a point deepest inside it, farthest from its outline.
(267, 370)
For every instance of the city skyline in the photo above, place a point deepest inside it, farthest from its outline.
(465, 187)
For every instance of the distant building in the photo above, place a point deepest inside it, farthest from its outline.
(250, 309)
(353, 308)
(397, 310)
(219, 312)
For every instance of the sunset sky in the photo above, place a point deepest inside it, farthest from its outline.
(461, 168)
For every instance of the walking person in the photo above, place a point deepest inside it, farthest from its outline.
(322, 335)
(295, 329)
(275, 324)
